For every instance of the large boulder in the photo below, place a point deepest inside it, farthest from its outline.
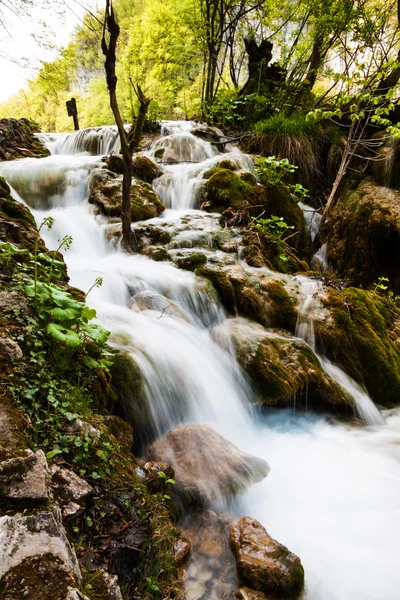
(106, 195)
(363, 235)
(207, 467)
(226, 189)
(17, 224)
(24, 478)
(361, 333)
(284, 370)
(17, 140)
(265, 563)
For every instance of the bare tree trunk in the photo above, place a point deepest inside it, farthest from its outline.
(109, 50)
(136, 136)
(346, 157)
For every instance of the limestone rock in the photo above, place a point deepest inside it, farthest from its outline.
(154, 481)
(149, 300)
(106, 194)
(268, 565)
(112, 585)
(24, 478)
(17, 140)
(10, 348)
(182, 549)
(74, 594)
(363, 235)
(83, 428)
(283, 367)
(40, 534)
(207, 467)
(68, 485)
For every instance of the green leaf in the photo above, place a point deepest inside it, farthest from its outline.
(66, 314)
(66, 336)
(95, 332)
(53, 453)
(88, 313)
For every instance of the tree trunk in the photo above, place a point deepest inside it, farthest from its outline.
(136, 137)
(109, 51)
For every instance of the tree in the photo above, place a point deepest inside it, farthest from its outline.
(109, 50)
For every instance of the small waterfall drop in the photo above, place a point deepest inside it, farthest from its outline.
(305, 329)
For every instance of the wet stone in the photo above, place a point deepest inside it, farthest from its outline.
(69, 486)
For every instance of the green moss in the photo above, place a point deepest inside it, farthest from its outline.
(191, 262)
(362, 338)
(226, 189)
(281, 311)
(222, 284)
(144, 202)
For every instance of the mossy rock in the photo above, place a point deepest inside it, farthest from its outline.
(363, 235)
(277, 201)
(17, 140)
(362, 335)
(145, 169)
(226, 189)
(282, 369)
(261, 250)
(106, 194)
(282, 309)
(17, 223)
(127, 397)
(191, 262)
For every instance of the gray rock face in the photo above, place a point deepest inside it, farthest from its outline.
(24, 478)
(113, 589)
(207, 467)
(34, 535)
(265, 563)
(68, 485)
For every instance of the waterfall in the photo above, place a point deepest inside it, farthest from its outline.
(334, 491)
(305, 329)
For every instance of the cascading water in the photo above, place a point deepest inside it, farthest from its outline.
(334, 491)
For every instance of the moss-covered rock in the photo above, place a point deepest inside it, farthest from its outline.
(191, 262)
(283, 369)
(362, 335)
(363, 235)
(17, 224)
(225, 189)
(106, 195)
(17, 140)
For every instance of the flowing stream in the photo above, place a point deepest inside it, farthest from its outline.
(333, 494)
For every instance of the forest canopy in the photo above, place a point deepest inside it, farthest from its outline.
(233, 61)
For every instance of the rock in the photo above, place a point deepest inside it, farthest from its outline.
(282, 368)
(225, 189)
(155, 482)
(106, 194)
(41, 577)
(72, 511)
(149, 300)
(40, 534)
(264, 562)
(24, 478)
(10, 348)
(12, 431)
(68, 485)
(207, 467)
(245, 593)
(182, 550)
(17, 140)
(363, 235)
(121, 430)
(191, 262)
(112, 586)
(17, 224)
(145, 169)
(361, 333)
(83, 428)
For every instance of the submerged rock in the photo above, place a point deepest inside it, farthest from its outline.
(106, 195)
(149, 300)
(207, 467)
(363, 235)
(265, 563)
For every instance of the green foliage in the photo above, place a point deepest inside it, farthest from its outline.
(272, 170)
(275, 228)
(295, 125)
(66, 354)
(381, 287)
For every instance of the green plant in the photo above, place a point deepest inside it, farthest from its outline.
(298, 192)
(275, 228)
(272, 170)
(381, 287)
